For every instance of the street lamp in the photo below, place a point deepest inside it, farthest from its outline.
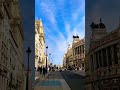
(46, 56)
(28, 52)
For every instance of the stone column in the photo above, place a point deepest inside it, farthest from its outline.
(98, 59)
(95, 63)
(5, 84)
(118, 52)
(101, 52)
(107, 56)
(0, 82)
(79, 49)
(112, 54)
(94, 66)
(113, 59)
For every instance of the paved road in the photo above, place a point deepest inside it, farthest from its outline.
(75, 81)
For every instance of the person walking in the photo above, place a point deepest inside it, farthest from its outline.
(44, 71)
(40, 70)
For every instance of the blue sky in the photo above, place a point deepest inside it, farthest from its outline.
(61, 20)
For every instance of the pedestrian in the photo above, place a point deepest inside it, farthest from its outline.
(40, 70)
(44, 71)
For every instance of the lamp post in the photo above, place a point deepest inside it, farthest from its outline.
(46, 56)
(28, 52)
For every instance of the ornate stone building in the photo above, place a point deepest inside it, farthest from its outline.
(39, 44)
(78, 52)
(11, 46)
(103, 59)
(68, 58)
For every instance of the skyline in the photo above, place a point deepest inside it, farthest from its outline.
(61, 20)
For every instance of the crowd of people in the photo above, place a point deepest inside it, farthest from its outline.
(42, 70)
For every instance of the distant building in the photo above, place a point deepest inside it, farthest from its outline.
(12, 76)
(69, 57)
(64, 60)
(78, 47)
(39, 45)
(75, 55)
(103, 59)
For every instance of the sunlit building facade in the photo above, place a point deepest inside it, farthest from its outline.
(39, 45)
(12, 76)
(69, 57)
(103, 59)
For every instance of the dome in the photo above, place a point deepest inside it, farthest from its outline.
(101, 25)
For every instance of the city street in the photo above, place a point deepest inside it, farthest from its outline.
(75, 81)
(65, 80)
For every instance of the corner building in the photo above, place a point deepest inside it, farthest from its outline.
(103, 59)
(78, 53)
(11, 46)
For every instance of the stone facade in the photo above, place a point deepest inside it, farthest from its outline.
(78, 53)
(103, 59)
(11, 46)
(69, 57)
(39, 44)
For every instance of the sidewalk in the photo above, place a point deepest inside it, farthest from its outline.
(51, 84)
(39, 77)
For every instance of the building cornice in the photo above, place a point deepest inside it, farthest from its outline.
(112, 36)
